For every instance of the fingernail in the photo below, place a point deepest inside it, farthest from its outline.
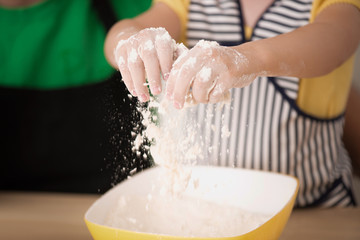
(143, 97)
(166, 76)
(178, 105)
(133, 92)
(156, 90)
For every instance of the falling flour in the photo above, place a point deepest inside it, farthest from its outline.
(174, 144)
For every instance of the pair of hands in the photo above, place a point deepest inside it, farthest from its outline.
(202, 74)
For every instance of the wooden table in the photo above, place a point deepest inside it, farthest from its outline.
(60, 216)
(44, 216)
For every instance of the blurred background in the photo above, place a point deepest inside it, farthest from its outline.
(356, 83)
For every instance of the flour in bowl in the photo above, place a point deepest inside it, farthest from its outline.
(182, 216)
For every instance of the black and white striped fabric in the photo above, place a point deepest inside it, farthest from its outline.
(268, 130)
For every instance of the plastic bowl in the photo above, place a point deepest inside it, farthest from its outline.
(268, 193)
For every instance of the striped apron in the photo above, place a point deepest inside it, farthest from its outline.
(268, 130)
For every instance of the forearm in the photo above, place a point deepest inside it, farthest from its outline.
(313, 50)
(159, 15)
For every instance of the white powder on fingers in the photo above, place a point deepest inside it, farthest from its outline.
(179, 49)
(120, 61)
(180, 53)
(163, 36)
(218, 90)
(117, 51)
(149, 45)
(207, 44)
(133, 56)
(159, 34)
(190, 62)
(205, 74)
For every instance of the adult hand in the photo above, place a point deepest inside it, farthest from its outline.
(146, 54)
(207, 72)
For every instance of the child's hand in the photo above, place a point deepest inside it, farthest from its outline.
(144, 55)
(209, 70)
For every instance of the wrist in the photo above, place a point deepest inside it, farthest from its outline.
(256, 60)
(266, 58)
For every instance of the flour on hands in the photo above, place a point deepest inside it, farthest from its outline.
(145, 55)
(207, 72)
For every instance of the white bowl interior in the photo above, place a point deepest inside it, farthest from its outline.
(253, 191)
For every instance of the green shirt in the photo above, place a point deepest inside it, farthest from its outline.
(56, 43)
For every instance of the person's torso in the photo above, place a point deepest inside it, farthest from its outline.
(268, 130)
(56, 44)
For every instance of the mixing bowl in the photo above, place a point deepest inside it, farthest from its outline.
(267, 193)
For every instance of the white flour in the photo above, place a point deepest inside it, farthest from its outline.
(133, 55)
(205, 74)
(184, 217)
(174, 143)
(175, 139)
(149, 45)
(167, 211)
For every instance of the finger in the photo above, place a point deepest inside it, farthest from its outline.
(223, 96)
(137, 71)
(217, 93)
(152, 66)
(120, 52)
(165, 50)
(181, 53)
(180, 49)
(121, 61)
(126, 77)
(170, 84)
(204, 82)
(220, 91)
(182, 85)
